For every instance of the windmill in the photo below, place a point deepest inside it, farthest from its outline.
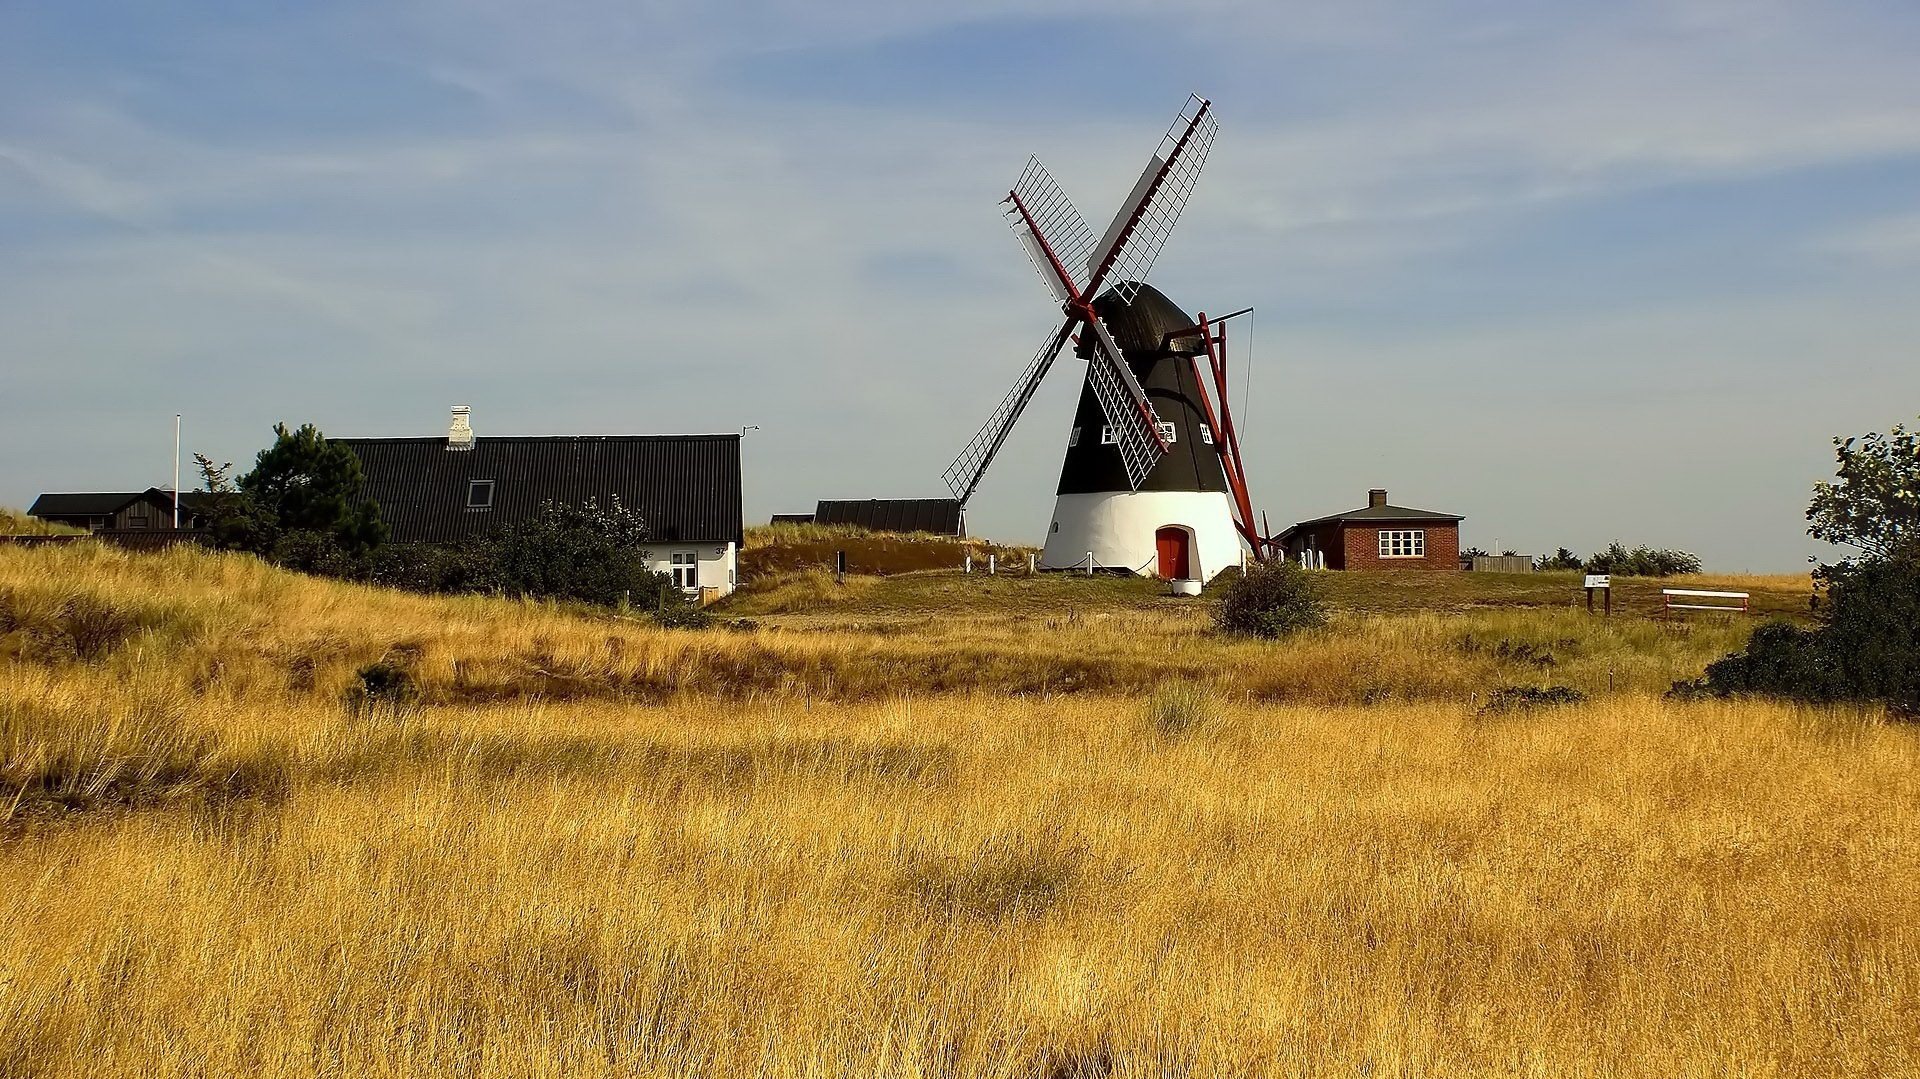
(1152, 481)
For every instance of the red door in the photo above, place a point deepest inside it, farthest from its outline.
(1172, 545)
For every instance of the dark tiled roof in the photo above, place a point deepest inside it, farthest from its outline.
(102, 503)
(687, 487)
(1379, 514)
(941, 515)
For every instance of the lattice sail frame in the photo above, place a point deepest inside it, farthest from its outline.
(1059, 225)
(1183, 153)
(963, 475)
(1136, 427)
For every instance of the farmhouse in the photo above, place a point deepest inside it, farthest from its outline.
(122, 511)
(444, 489)
(1377, 536)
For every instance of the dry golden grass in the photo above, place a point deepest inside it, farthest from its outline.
(16, 523)
(212, 866)
(232, 620)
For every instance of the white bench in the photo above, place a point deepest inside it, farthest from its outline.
(1670, 594)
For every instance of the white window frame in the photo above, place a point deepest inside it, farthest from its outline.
(1073, 438)
(1107, 437)
(1167, 431)
(480, 485)
(1403, 543)
(685, 569)
(1206, 434)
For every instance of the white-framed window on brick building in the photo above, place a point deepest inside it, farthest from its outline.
(686, 570)
(1403, 543)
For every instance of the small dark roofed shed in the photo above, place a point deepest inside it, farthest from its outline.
(687, 487)
(938, 515)
(58, 505)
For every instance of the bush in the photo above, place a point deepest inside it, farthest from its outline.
(386, 687)
(1271, 601)
(1641, 561)
(684, 615)
(1867, 649)
(580, 553)
(426, 567)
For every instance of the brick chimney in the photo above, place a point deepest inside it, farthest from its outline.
(1376, 498)
(460, 432)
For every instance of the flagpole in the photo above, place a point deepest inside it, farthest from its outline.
(176, 472)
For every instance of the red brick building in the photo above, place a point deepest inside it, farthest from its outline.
(1378, 536)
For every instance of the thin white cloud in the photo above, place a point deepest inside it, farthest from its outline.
(1886, 241)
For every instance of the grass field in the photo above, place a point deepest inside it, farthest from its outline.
(925, 826)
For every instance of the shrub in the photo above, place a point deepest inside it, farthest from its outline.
(1271, 601)
(684, 615)
(387, 686)
(1642, 561)
(1868, 648)
(426, 567)
(579, 553)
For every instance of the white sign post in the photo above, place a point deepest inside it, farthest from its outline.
(1603, 584)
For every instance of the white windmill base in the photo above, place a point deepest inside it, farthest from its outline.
(1119, 527)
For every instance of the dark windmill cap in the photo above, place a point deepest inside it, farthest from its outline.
(1141, 327)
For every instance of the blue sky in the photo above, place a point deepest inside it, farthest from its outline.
(1579, 272)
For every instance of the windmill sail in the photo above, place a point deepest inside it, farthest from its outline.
(1138, 232)
(1050, 229)
(963, 475)
(1136, 428)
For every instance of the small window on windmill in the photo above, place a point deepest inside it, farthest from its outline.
(1166, 432)
(1107, 437)
(1206, 434)
(479, 494)
(1073, 438)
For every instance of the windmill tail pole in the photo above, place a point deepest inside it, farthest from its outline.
(1226, 444)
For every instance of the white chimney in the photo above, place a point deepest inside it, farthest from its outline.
(460, 433)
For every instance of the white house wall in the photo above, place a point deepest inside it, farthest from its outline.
(718, 564)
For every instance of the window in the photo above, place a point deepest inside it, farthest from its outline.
(479, 494)
(686, 570)
(1166, 432)
(1206, 434)
(1073, 438)
(138, 517)
(1403, 543)
(1107, 437)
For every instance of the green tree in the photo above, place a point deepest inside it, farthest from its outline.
(231, 520)
(308, 485)
(582, 552)
(1562, 559)
(1873, 503)
(1867, 646)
